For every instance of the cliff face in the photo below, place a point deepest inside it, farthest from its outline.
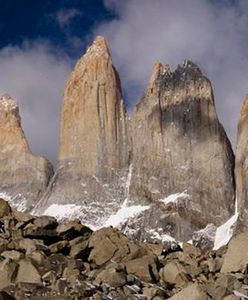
(182, 159)
(241, 163)
(93, 120)
(94, 148)
(23, 176)
(167, 171)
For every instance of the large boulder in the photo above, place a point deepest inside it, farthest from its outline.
(110, 243)
(23, 176)
(4, 208)
(8, 271)
(192, 292)
(27, 272)
(236, 257)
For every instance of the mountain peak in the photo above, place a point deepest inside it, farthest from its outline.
(159, 70)
(8, 103)
(99, 47)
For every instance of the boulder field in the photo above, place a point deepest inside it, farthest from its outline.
(41, 258)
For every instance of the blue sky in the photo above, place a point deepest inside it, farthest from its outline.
(53, 20)
(41, 40)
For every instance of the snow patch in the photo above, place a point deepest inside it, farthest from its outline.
(225, 231)
(129, 177)
(158, 235)
(60, 211)
(125, 213)
(173, 198)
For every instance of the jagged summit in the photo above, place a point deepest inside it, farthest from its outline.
(180, 152)
(96, 55)
(159, 70)
(98, 47)
(8, 103)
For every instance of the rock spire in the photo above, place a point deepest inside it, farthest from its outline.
(182, 159)
(23, 176)
(94, 148)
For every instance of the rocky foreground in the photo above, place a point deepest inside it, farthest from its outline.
(43, 259)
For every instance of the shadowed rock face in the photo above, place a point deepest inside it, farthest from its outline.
(179, 147)
(172, 163)
(23, 176)
(94, 151)
(241, 163)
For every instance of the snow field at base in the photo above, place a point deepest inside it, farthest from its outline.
(225, 231)
(63, 211)
(69, 211)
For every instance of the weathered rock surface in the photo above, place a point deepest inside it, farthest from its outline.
(168, 171)
(23, 176)
(94, 149)
(241, 164)
(110, 266)
(182, 161)
(236, 258)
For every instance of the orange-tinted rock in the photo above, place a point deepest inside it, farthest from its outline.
(93, 153)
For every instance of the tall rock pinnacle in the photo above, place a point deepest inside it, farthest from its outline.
(93, 153)
(23, 176)
(93, 115)
(241, 164)
(182, 159)
(167, 171)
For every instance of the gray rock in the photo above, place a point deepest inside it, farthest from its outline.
(179, 147)
(204, 238)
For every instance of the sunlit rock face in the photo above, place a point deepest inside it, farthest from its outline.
(23, 176)
(166, 172)
(241, 164)
(94, 149)
(182, 159)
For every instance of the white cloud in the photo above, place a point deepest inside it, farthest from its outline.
(212, 35)
(35, 74)
(65, 16)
